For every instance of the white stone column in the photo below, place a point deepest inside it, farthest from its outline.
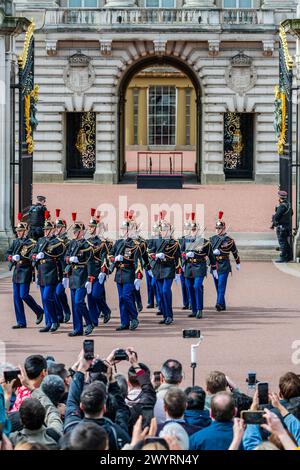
(5, 227)
(199, 4)
(120, 3)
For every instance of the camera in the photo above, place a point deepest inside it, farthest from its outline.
(263, 393)
(191, 333)
(10, 375)
(120, 355)
(88, 349)
(251, 379)
(253, 417)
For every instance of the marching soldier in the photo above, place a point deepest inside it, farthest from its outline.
(222, 245)
(18, 256)
(126, 259)
(166, 268)
(281, 220)
(135, 229)
(60, 292)
(36, 217)
(101, 248)
(196, 251)
(152, 289)
(46, 258)
(78, 275)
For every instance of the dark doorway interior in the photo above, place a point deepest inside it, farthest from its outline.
(238, 145)
(81, 148)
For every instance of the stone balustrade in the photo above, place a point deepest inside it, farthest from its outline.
(134, 17)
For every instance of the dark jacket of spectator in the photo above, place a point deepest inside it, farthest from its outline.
(217, 436)
(199, 418)
(147, 397)
(189, 428)
(117, 436)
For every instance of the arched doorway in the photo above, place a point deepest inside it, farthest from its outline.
(133, 71)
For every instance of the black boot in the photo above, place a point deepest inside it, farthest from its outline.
(54, 327)
(192, 315)
(45, 330)
(39, 318)
(199, 314)
(88, 330)
(75, 333)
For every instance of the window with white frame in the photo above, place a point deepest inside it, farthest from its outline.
(238, 3)
(82, 3)
(160, 3)
(162, 115)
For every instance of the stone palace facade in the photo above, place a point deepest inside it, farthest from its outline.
(88, 51)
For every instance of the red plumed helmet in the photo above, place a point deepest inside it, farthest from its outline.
(131, 214)
(20, 215)
(125, 214)
(193, 216)
(221, 213)
(47, 215)
(93, 211)
(57, 212)
(74, 215)
(98, 215)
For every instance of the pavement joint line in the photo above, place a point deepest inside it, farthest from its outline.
(285, 268)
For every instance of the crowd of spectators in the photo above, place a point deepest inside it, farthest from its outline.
(90, 406)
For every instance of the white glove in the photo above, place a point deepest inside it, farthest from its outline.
(102, 277)
(177, 278)
(65, 282)
(190, 254)
(119, 258)
(150, 273)
(238, 267)
(215, 274)
(40, 255)
(88, 286)
(73, 259)
(137, 284)
(217, 252)
(160, 256)
(16, 258)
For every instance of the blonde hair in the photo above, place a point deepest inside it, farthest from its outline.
(153, 446)
(266, 445)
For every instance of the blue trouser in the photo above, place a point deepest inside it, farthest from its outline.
(79, 309)
(150, 289)
(61, 301)
(165, 292)
(97, 302)
(48, 299)
(21, 295)
(127, 306)
(195, 289)
(221, 284)
(156, 292)
(184, 291)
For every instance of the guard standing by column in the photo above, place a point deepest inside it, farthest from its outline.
(166, 268)
(46, 259)
(281, 220)
(222, 246)
(126, 259)
(18, 257)
(101, 248)
(36, 218)
(60, 292)
(79, 277)
(196, 252)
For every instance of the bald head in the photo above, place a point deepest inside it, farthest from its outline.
(223, 407)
